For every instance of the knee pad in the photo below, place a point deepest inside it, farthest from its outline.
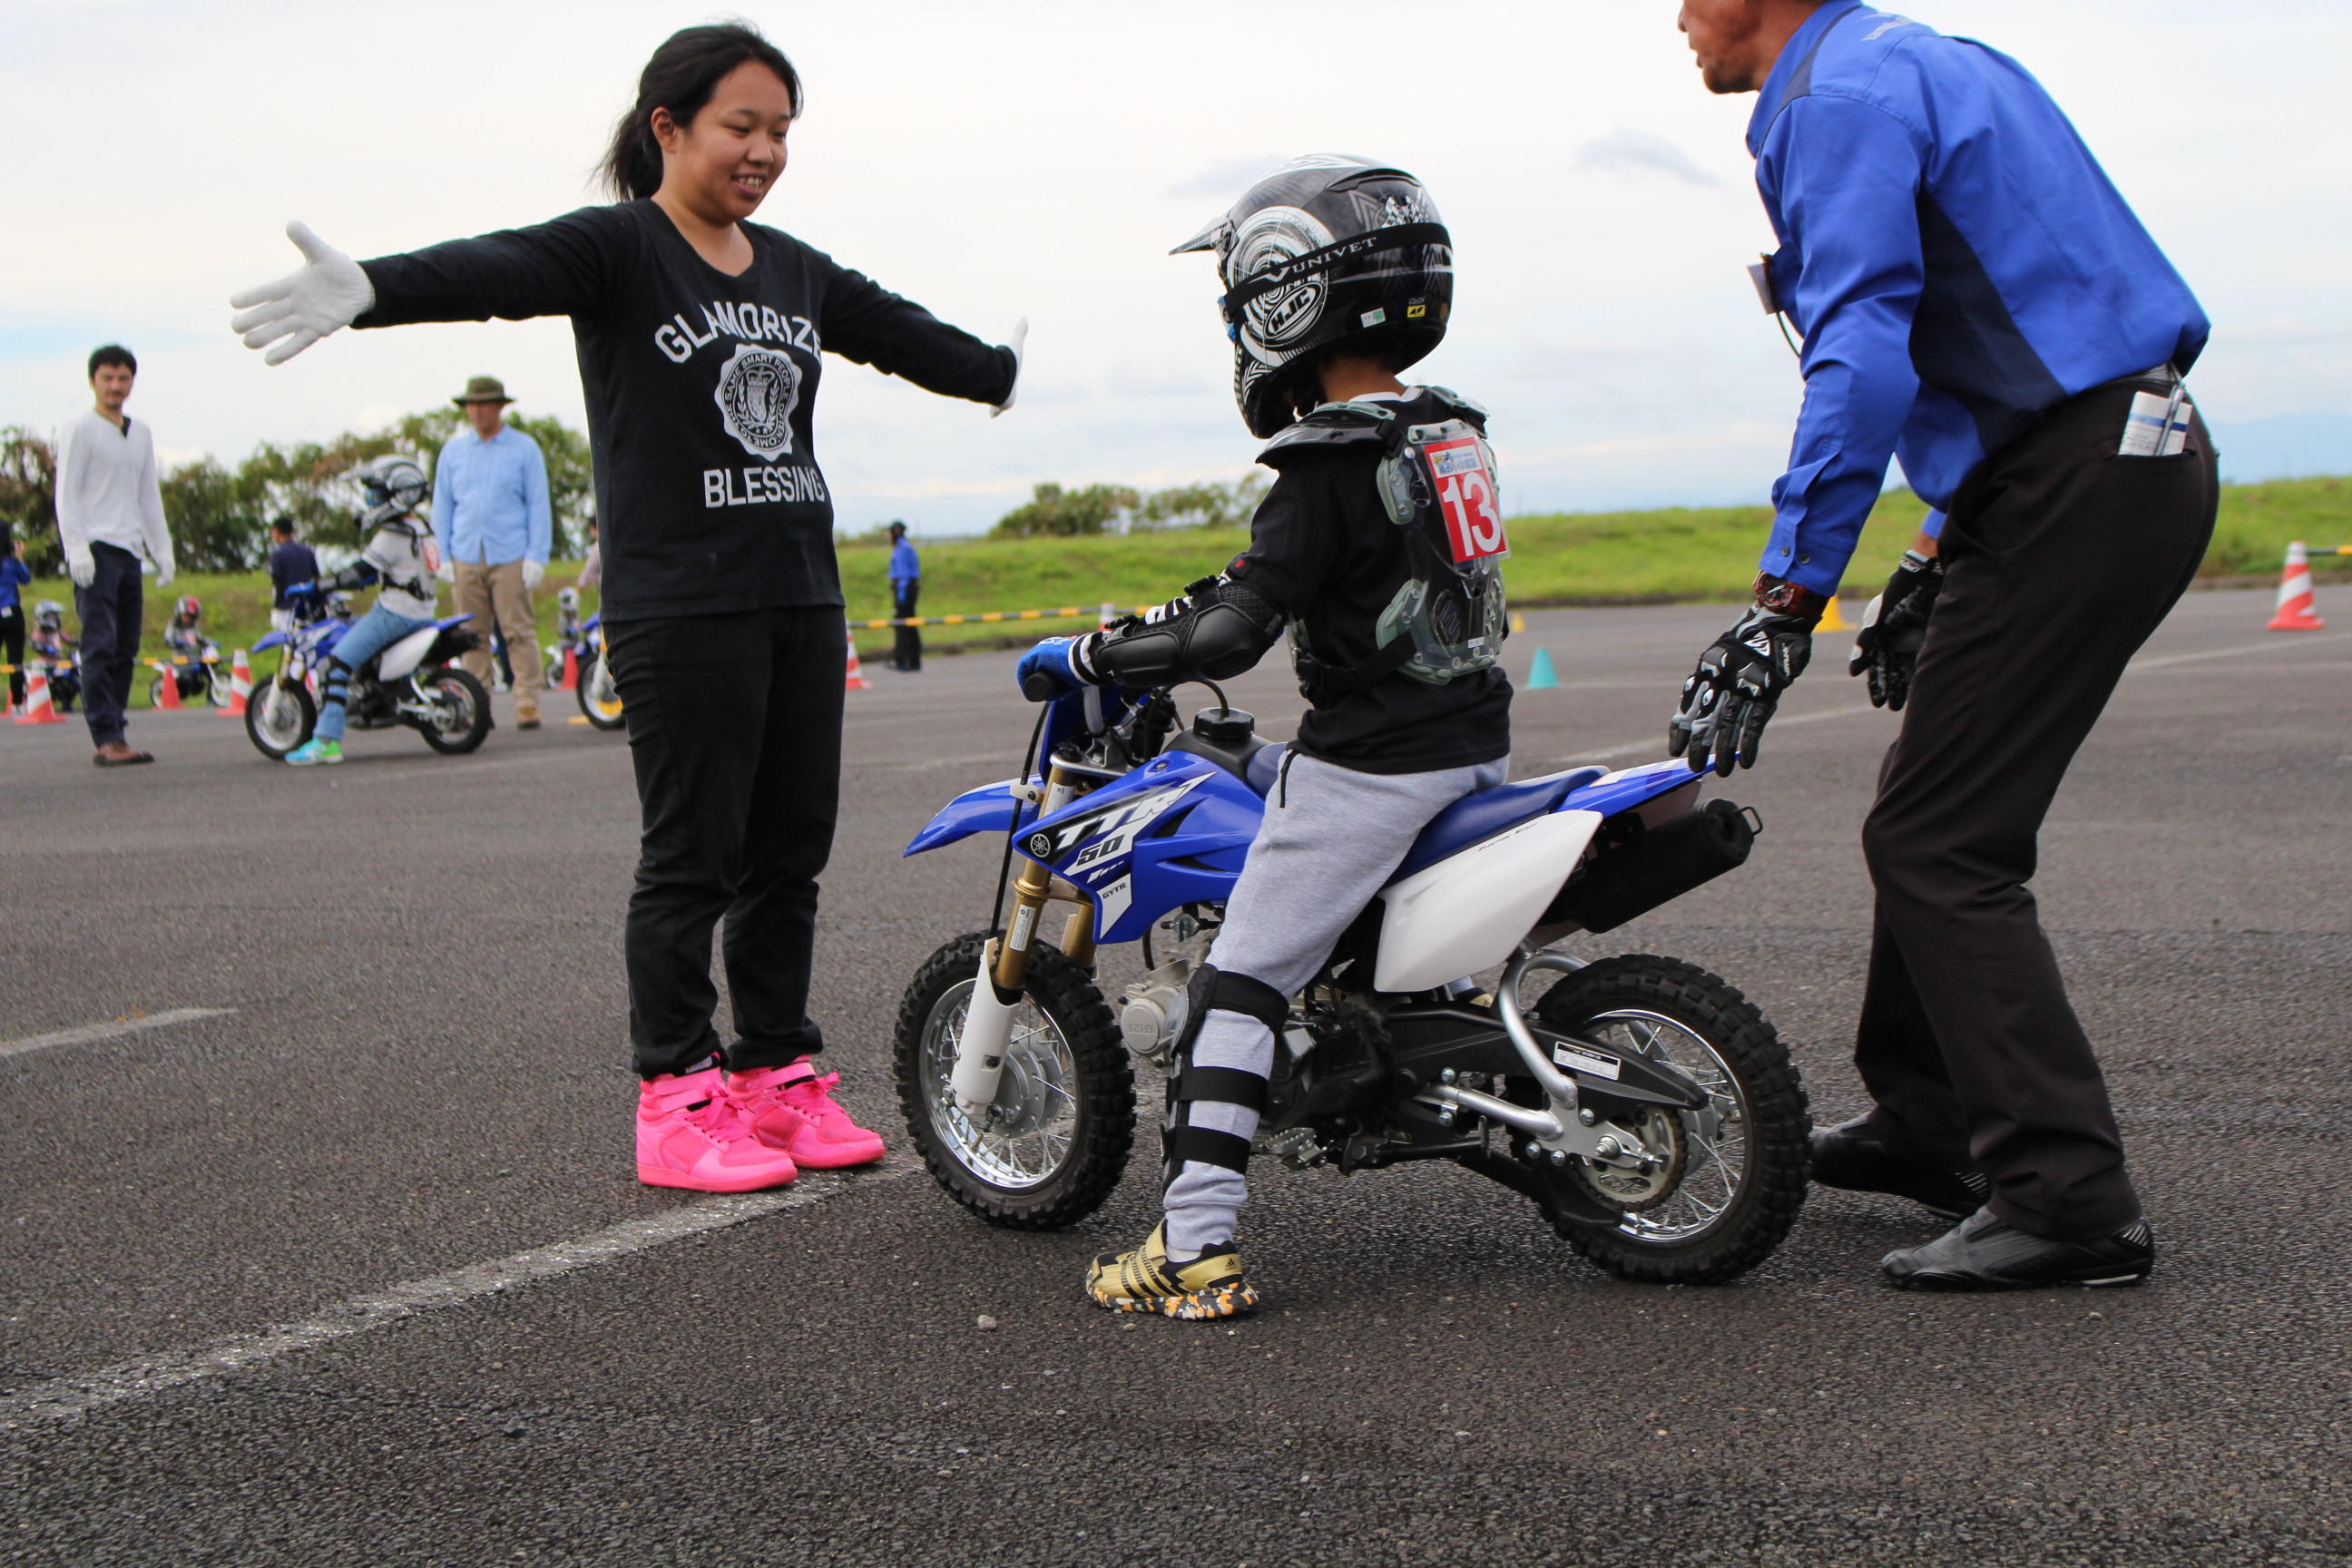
(1212, 990)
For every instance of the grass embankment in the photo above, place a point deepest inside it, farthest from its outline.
(1566, 558)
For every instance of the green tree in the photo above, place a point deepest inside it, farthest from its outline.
(1203, 506)
(28, 496)
(217, 523)
(1052, 510)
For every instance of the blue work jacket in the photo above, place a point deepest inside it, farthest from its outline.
(1956, 258)
(904, 568)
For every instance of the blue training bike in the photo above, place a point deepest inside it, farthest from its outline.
(1646, 1107)
(415, 682)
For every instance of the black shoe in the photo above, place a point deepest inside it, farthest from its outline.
(1856, 1158)
(1985, 1252)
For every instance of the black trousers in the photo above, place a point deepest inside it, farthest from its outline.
(907, 652)
(109, 610)
(734, 726)
(11, 652)
(2061, 559)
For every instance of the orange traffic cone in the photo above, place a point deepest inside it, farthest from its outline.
(167, 685)
(857, 681)
(240, 685)
(40, 707)
(571, 666)
(2296, 611)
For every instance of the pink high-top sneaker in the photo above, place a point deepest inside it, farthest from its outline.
(792, 1109)
(691, 1133)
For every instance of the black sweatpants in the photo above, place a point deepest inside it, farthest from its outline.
(11, 652)
(734, 726)
(907, 652)
(2060, 558)
(109, 610)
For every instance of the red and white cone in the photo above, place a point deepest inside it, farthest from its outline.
(240, 685)
(167, 685)
(2296, 613)
(40, 707)
(571, 666)
(855, 680)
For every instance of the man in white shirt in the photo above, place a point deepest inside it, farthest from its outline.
(110, 511)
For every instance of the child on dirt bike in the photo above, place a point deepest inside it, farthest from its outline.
(50, 647)
(1379, 544)
(402, 557)
(185, 640)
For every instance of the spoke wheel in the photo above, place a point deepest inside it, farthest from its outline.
(1055, 1140)
(1722, 1184)
(599, 693)
(278, 717)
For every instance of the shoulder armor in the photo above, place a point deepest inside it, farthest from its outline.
(1330, 425)
(1459, 406)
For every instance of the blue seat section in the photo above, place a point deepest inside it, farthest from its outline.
(1482, 815)
(1265, 765)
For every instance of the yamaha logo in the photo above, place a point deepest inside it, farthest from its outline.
(1041, 845)
(758, 390)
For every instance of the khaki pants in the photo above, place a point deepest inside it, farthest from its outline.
(496, 593)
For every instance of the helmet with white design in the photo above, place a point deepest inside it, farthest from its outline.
(393, 485)
(1327, 250)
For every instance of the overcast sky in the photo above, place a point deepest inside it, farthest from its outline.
(1026, 158)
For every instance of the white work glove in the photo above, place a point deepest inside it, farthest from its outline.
(1020, 337)
(533, 574)
(281, 620)
(447, 571)
(165, 570)
(81, 565)
(327, 293)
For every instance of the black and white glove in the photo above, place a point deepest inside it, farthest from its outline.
(1887, 648)
(1737, 684)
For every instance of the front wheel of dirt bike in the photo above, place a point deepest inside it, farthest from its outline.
(278, 717)
(1725, 1183)
(599, 695)
(1055, 1140)
(461, 710)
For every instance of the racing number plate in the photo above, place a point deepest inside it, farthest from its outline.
(1466, 493)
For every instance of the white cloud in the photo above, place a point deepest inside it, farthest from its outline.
(1643, 151)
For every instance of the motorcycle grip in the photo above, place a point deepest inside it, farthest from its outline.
(1039, 687)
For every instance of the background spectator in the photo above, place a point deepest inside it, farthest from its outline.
(14, 575)
(490, 508)
(906, 580)
(291, 562)
(109, 507)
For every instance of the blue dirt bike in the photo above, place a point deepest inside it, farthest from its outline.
(415, 682)
(1646, 1107)
(599, 693)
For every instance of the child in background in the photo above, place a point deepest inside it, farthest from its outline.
(402, 557)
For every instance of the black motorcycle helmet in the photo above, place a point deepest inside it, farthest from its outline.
(392, 486)
(1327, 249)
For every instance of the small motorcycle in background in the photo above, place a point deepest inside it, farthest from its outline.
(414, 682)
(600, 694)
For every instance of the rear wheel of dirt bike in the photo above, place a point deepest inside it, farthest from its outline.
(278, 717)
(155, 690)
(1055, 1140)
(461, 710)
(599, 695)
(1724, 1184)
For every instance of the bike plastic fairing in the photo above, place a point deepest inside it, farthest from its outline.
(1621, 791)
(405, 655)
(1470, 910)
(990, 808)
(1173, 832)
(269, 640)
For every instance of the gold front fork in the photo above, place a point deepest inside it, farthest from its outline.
(1030, 892)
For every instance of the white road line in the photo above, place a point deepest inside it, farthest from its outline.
(2299, 642)
(120, 1026)
(62, 1398)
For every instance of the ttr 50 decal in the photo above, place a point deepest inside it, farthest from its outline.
(1117, 826)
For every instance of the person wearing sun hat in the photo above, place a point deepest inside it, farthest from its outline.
(489, 503)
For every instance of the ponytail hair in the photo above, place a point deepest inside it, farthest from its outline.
(681, 77)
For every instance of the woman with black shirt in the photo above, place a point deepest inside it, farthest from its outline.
(698, 336)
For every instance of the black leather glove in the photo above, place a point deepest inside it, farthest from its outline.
(1737, 684)
(1886, 650)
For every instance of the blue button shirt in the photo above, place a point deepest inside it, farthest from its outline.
(1956, 258)
(903, 566)
(489, 499)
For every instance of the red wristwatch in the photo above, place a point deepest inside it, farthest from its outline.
(1782, 597)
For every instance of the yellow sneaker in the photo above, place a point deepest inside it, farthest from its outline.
(1210, 1286)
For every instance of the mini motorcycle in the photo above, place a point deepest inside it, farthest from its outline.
(599, 693)
(414, 682)
(197, 672)
(1646, 1107)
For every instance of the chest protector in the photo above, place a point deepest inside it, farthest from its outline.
(1436, 483)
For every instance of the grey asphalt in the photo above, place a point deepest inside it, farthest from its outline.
(420, 1067)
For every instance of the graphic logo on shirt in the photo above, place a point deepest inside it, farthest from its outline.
(758, 390)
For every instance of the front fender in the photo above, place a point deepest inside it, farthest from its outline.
(270, 640)
(990, 808)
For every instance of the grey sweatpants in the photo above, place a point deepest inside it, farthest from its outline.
(1332, 838)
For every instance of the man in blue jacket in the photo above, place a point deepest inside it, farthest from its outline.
(905, 583)
(1977, 300)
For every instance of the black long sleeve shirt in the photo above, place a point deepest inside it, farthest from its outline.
(701, 389)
